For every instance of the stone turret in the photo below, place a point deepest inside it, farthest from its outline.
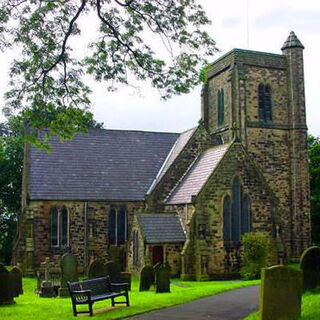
(300, 215)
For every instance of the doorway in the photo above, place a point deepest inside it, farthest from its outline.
(157, 254)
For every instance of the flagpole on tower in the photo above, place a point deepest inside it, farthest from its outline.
(247, 21)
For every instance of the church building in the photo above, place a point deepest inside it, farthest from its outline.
(138, 197)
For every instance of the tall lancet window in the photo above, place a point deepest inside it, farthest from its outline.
(220, 107)
(117, 226)
(264, 100)
(236, 214)
(59, 227)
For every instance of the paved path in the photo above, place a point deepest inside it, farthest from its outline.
(230, 305)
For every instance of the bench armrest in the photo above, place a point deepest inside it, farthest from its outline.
(119, 286)
(85, 292)
(81, 295)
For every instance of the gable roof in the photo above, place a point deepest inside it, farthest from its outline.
(160, 228)
(173, 154)
(101, 165)
(197, 175)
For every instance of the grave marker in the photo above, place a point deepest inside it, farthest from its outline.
(310, 266)
(69, 272)
(280, 293)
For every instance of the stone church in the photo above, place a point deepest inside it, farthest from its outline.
(184, 199)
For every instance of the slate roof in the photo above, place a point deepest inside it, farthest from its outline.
(160, 228)
(173, 154)
(292, 42)
(197, 175)
(101, 165)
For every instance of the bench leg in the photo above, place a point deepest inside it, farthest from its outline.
(112, 302)
(74, 307)
(90, 309)
(127, 299)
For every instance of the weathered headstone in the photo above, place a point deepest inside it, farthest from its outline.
(147, 277)
(163, 278)
(46, 286)
(10, 285)
(280, 293)
(112, 270)
(16, 277)
(310, 266)
(69, 272)
(97, 269)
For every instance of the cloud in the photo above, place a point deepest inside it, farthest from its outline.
(231, 22)
(305, 20)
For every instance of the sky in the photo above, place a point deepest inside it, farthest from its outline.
(246, 24)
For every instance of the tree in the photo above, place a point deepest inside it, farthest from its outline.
(314, 169)
(47, 88)
(11, 158)
(11, 155)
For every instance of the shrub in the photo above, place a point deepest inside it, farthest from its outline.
(256, 247)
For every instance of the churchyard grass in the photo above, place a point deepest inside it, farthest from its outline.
(31, 306)
(310, 307)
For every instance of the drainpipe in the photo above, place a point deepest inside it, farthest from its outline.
(85, 257)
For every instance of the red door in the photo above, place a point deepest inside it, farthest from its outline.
(157, 254)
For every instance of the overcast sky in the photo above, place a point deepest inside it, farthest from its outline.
(247, 24)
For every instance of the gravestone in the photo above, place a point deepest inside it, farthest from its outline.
(10, 285)
(16, 276)
(163, 278)
(280, 293)
(69, 272)
(46, 286)
(112, 270)
(310, 266)
(97, 269)
(146, 277)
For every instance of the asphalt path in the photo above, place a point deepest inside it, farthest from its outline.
(230, 305)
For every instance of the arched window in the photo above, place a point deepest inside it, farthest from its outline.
(117, 226)
(235, 210)
(112, 226)
(121, 224)
(54, 226)
(59, 227)
(264, 100)
(220, 107)
(236, 214)
(226, 220)
(245, 215)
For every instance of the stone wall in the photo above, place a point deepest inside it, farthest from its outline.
(278, 147)
(37, 232)
(210, 259)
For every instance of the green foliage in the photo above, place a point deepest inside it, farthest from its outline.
(314, 169)
(47, 89)
(11, 153)
(256, 247)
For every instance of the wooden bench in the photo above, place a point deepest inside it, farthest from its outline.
(93, 290)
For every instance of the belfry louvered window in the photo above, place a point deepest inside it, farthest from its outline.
(220, 107)
(236, 214)
(59, 227)
(264, 100)
(117, 226)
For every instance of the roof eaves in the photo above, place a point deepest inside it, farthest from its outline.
(156, 181)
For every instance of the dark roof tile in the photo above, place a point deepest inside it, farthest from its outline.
(161, 228)
(100, 165)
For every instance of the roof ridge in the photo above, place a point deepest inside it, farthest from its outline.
(133, 130)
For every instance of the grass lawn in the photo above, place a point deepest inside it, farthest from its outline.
(30, 306)
(310, 306)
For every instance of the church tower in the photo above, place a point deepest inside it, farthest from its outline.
(259, 97)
